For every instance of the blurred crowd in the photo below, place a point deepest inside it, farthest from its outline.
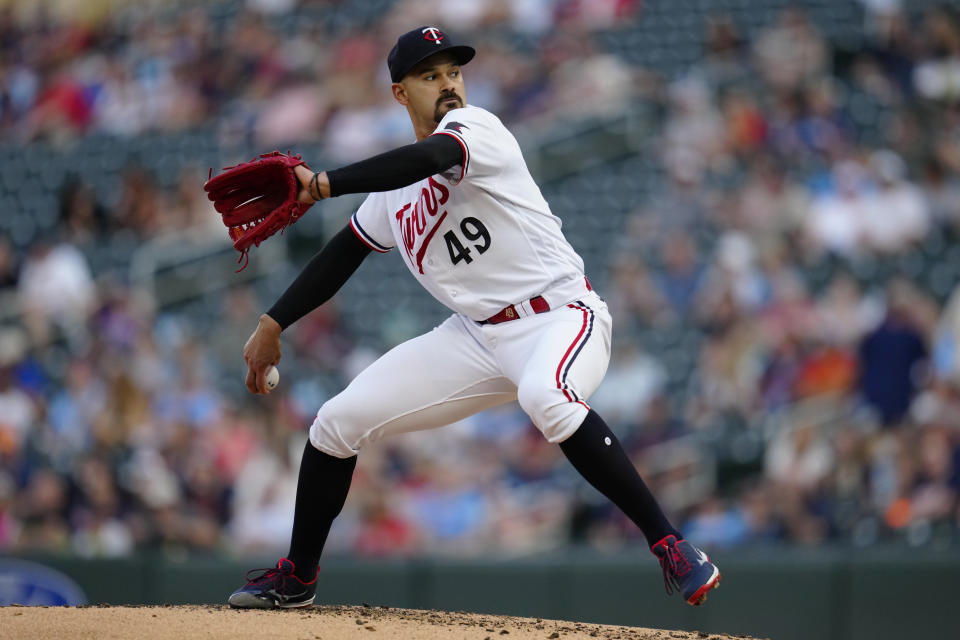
(802, 235)
(787, 355)
(262, 73)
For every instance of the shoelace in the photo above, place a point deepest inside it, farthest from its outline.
(670, 567)
(269, 573)
(245, 259)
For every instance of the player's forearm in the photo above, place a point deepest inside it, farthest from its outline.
(391, 170)
(321, 278)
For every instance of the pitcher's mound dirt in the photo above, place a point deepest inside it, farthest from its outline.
(315, 623)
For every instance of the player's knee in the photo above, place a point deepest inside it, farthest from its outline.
(556, 415)
(532, 398)
(331, 432)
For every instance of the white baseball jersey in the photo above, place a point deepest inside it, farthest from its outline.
(480, 236)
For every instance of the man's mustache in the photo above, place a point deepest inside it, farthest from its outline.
(448, 96)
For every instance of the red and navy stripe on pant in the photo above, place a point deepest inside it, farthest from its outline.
(563, 369)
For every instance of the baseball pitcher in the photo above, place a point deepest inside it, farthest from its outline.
(473, 228)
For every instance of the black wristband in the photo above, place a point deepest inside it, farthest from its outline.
(315, 184)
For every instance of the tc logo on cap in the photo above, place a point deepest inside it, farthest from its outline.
(432, 34)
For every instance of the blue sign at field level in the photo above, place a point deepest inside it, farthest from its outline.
(32, 584)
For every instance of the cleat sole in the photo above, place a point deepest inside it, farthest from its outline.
(297, 605)
(250, 601)
(700, 595)
(703, 598)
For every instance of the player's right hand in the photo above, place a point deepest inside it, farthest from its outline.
(261, 351)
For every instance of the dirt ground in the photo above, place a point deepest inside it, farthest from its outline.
(315, 623)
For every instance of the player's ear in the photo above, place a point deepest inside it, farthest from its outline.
(400, 93)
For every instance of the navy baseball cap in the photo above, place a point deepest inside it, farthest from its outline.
(416, 46)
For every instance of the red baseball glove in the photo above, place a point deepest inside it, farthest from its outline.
(257, 198)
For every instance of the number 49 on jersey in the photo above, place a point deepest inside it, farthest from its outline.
(473, 230)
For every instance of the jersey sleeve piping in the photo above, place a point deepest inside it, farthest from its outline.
(463, 145)
(365, 237)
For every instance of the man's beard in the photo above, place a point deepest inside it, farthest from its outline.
(437, 116)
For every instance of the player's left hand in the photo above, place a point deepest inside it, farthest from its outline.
(261, 351)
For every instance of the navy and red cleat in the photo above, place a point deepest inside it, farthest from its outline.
(275, 588)
(686, 569)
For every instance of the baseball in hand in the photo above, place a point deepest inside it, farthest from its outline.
(273, 377)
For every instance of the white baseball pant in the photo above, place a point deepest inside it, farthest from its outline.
(550, 362)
